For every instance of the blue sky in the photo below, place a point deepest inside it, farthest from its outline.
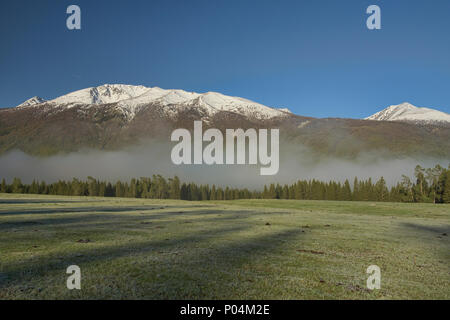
(315, 57)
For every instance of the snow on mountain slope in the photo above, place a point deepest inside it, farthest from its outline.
(130, 99)
(215, 102)
(410, 113)
(102, 94)
(31, 102)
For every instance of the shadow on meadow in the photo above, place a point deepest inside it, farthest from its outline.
(191, 252)
(441, 230)
(101, 218)
(36, 201)
(435, 235)
(98, 209)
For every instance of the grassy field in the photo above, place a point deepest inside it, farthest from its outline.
(246, 249)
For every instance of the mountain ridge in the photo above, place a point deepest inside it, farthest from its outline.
(410, 113)
(130, 99)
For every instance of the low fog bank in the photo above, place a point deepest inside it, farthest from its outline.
(296, 162)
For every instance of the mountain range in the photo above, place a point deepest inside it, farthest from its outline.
(111, 117)
(131, 99)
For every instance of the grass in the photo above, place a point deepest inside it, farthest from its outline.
(245, 249)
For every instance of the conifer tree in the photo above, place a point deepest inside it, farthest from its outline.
(347, 191)
(213, 193)
(3, 188)
(16, 186)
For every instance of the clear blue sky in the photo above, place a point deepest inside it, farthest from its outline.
(315, 57)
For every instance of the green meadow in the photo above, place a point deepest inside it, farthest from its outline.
(242, 249)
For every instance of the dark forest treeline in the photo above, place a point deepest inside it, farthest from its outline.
(429, 185)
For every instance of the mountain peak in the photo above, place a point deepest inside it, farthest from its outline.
(410, 113)
(404, 105)
(31, 101)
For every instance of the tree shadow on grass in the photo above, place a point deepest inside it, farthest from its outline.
(438, 230)
(37, 201)
(226, 258)
(439, 233)
(71, 221)
(102, 218)
(148, 213)
(99, 209)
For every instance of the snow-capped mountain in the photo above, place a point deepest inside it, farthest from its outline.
(116, 117)
(31, 101)
(131, 99)
(409, 113)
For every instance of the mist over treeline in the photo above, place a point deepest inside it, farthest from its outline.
(296, 163)
(431, 185)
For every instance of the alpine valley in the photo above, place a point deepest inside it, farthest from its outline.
(113, 117)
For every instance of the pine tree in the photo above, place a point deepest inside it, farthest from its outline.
(446, 187)
(204, 193)
(3, 188)
(420, 189)
(346, 191)
(16, 186)
(356, 191)
(272, 192)
(174, 189)
(220, 194)
(381, 190)
(432, 176)
(213, 193)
